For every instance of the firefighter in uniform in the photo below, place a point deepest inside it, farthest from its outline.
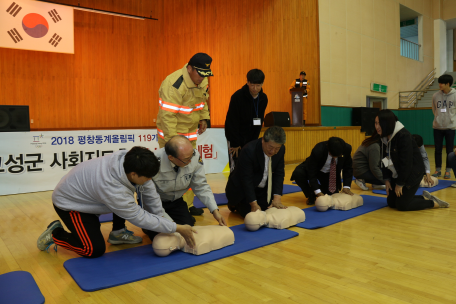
(181, 168)
(183, 106)
(299, 83)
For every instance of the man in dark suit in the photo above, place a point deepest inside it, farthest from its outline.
(319, 174)
(257, 179)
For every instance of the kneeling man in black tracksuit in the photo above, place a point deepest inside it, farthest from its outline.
(257, 179)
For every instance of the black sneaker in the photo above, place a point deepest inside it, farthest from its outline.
(195, 211)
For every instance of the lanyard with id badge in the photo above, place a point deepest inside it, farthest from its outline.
(256, 121)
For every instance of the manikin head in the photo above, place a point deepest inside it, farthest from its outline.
(323, 203)
(179, 150)
(140, 165)
(165, 243)
(254, 220)
(272, 141)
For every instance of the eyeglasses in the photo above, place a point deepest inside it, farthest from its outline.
(189, 159)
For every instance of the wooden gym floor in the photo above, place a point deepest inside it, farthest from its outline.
(385, 256)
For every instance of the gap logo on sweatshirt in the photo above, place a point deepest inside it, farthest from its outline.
(445, 104)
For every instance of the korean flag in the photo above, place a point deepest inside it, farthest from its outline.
(36, 26)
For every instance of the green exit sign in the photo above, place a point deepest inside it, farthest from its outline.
(381, 88)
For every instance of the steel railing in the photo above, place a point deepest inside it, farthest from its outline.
(407, 99)
(410, 49)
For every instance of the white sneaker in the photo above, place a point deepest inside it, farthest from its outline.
(361, 184)
(453, 185)
(378, 187)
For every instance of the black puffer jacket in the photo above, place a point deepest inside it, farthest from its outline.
(406, 157)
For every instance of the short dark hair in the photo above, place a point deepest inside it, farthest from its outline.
(387, 121)
(444, 79)
(302, 73)
(336, 146)
(418, 139)
(142, 161)
(276, 134)
(255, 76)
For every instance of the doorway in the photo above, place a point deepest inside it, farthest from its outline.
(377, 102)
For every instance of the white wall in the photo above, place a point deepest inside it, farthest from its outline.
(450, 50)
(440, 47)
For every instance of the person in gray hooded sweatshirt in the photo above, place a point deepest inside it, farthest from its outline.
(402, 166)
(104, 185)
(444, 109)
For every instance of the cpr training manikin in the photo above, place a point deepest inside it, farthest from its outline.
(339, 201)
(274, 218)
(207, 239)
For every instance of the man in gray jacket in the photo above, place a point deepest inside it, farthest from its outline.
(181, 168)
(104, 185)
(444, 125)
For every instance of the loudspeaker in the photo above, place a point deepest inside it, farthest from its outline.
(14, 119)
(281, 119)
(365, 117)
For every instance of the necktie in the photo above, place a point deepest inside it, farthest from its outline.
(269, 180)
(332, 176)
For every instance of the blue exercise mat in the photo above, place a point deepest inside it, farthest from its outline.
(220, 199)
(19, 287)
(316, 219)
(442, 185)
(139, 263)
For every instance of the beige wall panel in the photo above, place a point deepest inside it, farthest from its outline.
(449, 9)
(338, 13)
(325, 52)
(353, 56)
(417, 5)
(379, 20)
(428, 37)
(427, 8)
(436, 9)
(325, 93)
(355, 97)
(391, 22)
(324, 11)
(392, 75)
(338, 55)
(354, 22)
(338, 94)
(379, 62)
(367, 16)
(367, 60)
